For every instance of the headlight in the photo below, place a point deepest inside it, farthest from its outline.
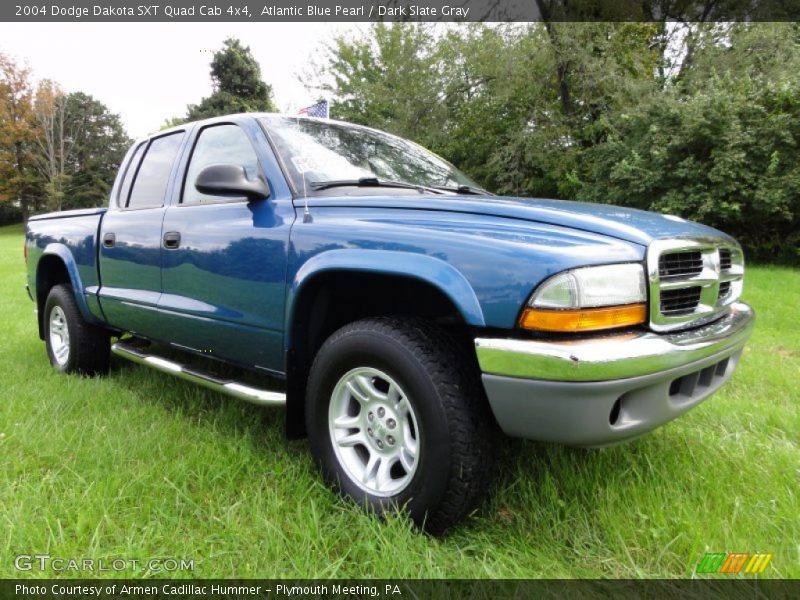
(589, 299)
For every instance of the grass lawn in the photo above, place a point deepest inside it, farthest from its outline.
(139, 465)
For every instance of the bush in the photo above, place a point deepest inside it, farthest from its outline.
(9, 214)
(727, 156)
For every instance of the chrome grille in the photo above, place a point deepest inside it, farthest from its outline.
(724, 258)
(681, 301)
(724, 290)
(680, 264)
(692, 280)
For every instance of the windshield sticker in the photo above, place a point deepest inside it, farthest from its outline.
(303, 164)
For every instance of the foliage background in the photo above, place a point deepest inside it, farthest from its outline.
(698, 120)
(58, 150)
(62, 150)
(701, 120)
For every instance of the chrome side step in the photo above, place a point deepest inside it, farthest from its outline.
(224, 386)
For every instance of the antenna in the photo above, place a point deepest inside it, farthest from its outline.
(302, 165)
(306, 213)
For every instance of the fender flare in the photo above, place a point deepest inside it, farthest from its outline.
(62, 252)
(429, 269)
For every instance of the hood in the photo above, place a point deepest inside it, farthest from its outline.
(629, 224)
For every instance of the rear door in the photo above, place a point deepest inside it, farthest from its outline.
(224, 281)
(130, 237)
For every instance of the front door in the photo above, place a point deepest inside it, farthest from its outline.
(223, 281)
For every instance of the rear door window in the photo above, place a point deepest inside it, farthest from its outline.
(150, 183)
(130, 171)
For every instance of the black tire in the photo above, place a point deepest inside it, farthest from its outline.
(442, 384)
(88, 345)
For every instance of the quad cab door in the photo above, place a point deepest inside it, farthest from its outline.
(130, 237)
(224, 257)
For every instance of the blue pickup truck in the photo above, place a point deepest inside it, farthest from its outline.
(403, 315)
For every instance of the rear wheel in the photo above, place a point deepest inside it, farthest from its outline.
(397, 418)
(73, 345)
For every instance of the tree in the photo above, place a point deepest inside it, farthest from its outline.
(695, 117)
(237, 84)
(441, 88)
(54, 137)
(98, 147)
(19, 186)
(57, 150)
(388, 78)
(514, 106)
(721, 145)
(80, 145)
(585, 74)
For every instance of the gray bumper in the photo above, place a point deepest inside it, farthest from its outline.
(604, 390)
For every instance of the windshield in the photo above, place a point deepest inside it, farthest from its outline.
(336, 152)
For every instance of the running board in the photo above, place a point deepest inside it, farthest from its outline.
(224, 386)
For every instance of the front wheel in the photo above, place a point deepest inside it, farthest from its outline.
(397, 418)
(73, 345)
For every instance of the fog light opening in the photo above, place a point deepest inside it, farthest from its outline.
(613, 417)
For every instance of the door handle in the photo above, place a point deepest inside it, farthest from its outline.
(109, 239)
(172, 239)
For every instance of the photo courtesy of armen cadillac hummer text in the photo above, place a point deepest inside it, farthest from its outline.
(403, 316)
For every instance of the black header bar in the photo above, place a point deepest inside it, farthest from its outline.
(266, 11)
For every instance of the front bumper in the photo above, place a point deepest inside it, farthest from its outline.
(607, 389)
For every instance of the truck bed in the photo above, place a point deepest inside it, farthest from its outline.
(71, 237)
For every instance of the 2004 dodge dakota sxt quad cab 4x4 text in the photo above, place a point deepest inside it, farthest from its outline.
(402, 313)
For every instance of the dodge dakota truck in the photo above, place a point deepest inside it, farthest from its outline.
(403, 315)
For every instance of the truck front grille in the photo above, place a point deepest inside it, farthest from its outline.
(692, 280)
(724, 258)
(680, 264)
(681, 301)
(724, 290)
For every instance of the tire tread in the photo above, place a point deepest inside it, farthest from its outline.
(472, 427)
(89, 352)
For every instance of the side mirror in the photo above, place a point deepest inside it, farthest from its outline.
(230, 180)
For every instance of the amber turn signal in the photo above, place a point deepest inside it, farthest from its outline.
(583, 319)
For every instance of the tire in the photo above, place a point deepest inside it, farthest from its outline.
(73, 345)
(441, 438)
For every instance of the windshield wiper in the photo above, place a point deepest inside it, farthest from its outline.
(371, 182)
(464, 189)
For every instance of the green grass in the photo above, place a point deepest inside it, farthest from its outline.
(139, 465)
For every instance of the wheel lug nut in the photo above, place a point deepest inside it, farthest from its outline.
(391, 423)
(380, 444)
(390, 440)
(369, 432)
(381, 412)
(370, 416)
